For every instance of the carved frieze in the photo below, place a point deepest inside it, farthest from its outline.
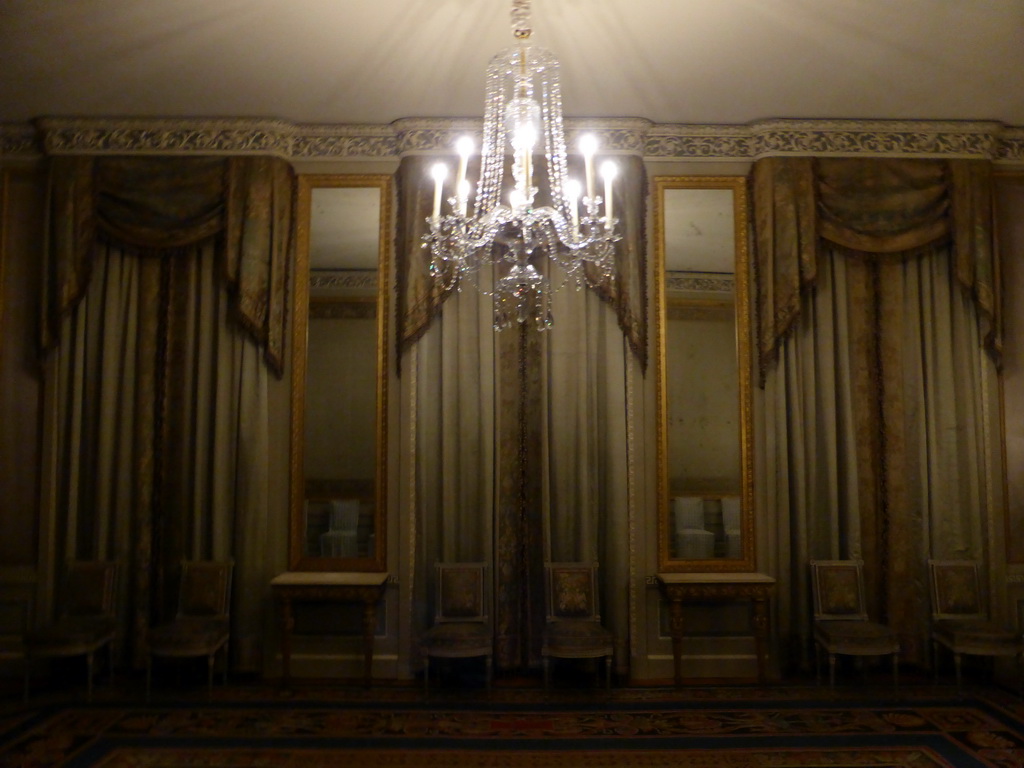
(344, 278)
(57, 135)
(704, 282)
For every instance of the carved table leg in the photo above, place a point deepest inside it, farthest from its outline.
(676, 630)
(287, 625)
(761, 636)
(369, 627)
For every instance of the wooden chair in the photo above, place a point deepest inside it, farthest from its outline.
(573, 629)
(86, 620)
(959, 621)
(202, 624)
(841, 624)
(460, 628)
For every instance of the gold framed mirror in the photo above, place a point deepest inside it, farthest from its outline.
(339, 374)
(702, 310)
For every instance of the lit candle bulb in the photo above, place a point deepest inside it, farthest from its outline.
(572, 192)
(464, 146)
(439, 171)
(588, 146)
(524, 140)
(608, 172)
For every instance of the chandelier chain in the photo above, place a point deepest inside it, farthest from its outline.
(521, 28)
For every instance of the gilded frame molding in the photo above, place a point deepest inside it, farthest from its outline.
(741, 224)
(297, 559)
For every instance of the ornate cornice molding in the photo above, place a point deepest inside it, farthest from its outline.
(18, 140)
(877, 137)
(344, 141)
(343, 278)
(164, 136)
(705, 282)
(653, 141)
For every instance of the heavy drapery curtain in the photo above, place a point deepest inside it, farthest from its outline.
(161, 275)
(879, 329)
(451, 369)
(520, 435)
(585, 443)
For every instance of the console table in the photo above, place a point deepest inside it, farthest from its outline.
(296, 586)
(680, 588)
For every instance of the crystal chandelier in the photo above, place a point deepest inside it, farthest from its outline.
(535, 227)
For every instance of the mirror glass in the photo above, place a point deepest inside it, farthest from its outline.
(701, 272)
(339, 374)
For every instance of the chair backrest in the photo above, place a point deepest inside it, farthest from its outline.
(572, 591)
(731, 512)
(461, 592)
(90, 588)
(688, 512)
(205, 588)
(838, 590)
(344, 515)
(955, 590)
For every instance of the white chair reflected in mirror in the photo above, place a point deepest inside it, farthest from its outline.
(692, 540)
(731, 524)
(342, 536)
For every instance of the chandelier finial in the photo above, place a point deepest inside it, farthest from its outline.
(521, 19)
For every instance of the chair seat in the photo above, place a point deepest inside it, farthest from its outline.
(453, 639)
(577, 638)
(188, 636)
(856, 638)
(976, 637)
(71, 636)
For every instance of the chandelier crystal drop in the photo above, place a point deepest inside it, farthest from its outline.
(546, 219)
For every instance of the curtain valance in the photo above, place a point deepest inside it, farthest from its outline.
(420, 300)
(884, 208)
(152, 206)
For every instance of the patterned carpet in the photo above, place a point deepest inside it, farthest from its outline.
(259, 726)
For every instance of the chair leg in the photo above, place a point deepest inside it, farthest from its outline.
(28, 676)
(547, 672)
(935, 661)
(426, 676)
(896, 670)
(149, 676)
(831, 670)
(957, 663)
(1020, 675)
(817, 664)
(209, 676)
(88, 676)
(607, 673)
(489, 671)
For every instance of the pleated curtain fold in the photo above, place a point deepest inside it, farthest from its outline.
(163, 317)
(879, 340)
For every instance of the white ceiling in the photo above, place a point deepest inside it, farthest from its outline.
(373, 61)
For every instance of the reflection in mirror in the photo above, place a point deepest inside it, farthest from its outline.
(339, 383)
(705, 520)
